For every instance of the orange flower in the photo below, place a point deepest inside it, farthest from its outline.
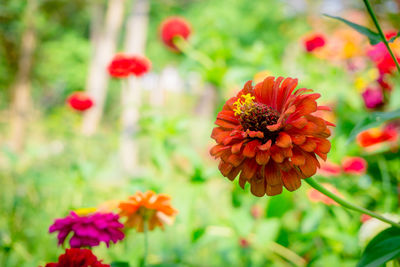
(269, 135)
(376, 136)
(147, 207)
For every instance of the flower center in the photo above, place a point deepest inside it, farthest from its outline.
(256, 116)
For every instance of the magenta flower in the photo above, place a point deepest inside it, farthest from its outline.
(373, 98)
(88, 230)
(354, 165)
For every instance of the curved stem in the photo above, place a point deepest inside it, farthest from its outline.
(383, 37)
(186, 48)
(346, 203)
(146, 243)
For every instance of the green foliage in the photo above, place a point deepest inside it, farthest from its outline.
(373, 119)
(62, 170)
(373, 37)
(391, 40)
(120, 264)
(383, 248)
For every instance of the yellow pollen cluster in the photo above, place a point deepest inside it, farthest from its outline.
(247, 102)
(85, 211)
(375, 132)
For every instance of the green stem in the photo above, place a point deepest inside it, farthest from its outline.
(346, 203)
(383, 37)
(146, 243)
(187, 49)
(386, 184)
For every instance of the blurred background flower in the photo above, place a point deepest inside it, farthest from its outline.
(88, 229)
(152, 131)
(80, 101)
(174, 27)
(77, 257)
(147, 210)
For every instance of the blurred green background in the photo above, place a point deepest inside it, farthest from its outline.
(60, 169)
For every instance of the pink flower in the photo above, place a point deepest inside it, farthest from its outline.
(316, 196)
(256, 212)
(354, 165)
(373, 98)
(313, 42)
(88, 230)
(329, 169)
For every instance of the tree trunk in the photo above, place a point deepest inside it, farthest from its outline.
(96, 21)
(104, 49)
(135, 42)
(207, 102)
(21, 103)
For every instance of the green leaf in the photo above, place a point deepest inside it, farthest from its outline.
(384, 247)
(119, 264)
(373, 37)
(394, 37)
(196, 234)
(373, 120)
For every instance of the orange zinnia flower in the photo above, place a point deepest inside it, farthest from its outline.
(148, 207)
(377, 136)
(269, 135)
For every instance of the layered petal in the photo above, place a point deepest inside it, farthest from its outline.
(270, 136)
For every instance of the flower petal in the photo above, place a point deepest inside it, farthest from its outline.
(250, 149)
(283, 140)
(257, 186)
(262, 157)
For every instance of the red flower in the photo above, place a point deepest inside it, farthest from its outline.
(354, 165)
(243, 242)
(141, 65)
(122, 66)
(80, 101)
(173, 27)
(269, 135)
(76, 257)
(313, 42)
(381, 56)
(385, 85)
(376, 136)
